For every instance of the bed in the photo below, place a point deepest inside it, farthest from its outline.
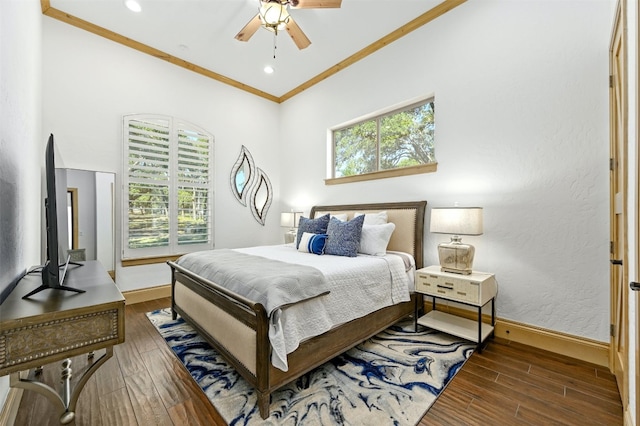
(238, 328)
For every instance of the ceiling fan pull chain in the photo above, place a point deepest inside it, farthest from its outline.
(275, 35)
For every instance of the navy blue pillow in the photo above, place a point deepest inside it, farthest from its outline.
(313, 226)
(343, 238)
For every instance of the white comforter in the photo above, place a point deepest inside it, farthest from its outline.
(358, 286)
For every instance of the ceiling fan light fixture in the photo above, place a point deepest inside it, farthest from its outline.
(274, 16)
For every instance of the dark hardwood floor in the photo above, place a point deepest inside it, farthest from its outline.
(144, 384)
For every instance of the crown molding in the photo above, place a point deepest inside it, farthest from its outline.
(416, 23)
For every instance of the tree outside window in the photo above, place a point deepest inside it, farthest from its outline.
(402, 138)
(168, 187)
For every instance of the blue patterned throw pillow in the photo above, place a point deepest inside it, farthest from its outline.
(312, 243)
(343, 238)
(313, 226)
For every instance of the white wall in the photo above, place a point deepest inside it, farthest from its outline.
(90, 83)
(21, 143)
(521, 129)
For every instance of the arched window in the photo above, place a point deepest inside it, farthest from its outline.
(168, 187)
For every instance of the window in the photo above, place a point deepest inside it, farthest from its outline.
(403, 138)
(168, 188)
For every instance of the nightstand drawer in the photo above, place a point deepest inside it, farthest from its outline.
(452, 288)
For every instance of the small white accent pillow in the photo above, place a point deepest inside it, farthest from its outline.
(379, 218)
(341, 217)
(375, 238)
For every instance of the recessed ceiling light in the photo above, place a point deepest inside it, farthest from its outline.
(269, 69)
(133, 5)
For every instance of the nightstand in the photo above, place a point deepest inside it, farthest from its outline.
(476, 289)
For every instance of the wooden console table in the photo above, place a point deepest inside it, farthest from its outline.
(56, 325)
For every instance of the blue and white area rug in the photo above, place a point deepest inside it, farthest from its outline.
(390, 379)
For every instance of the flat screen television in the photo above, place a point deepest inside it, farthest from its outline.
(57, 263)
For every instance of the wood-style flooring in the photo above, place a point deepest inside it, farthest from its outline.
(507, 384)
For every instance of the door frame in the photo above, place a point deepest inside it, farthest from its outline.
(636, 215)
(618, 203)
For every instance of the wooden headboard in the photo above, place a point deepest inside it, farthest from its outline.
(407, 216)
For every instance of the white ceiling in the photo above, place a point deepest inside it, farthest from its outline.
(202, 32)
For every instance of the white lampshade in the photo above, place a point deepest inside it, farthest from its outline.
(457, 220)
(290, 219)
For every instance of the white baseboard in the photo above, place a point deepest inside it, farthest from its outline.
(146, 294)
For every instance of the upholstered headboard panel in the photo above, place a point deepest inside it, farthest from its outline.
(407, 216)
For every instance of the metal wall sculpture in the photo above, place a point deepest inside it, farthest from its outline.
(251, 186)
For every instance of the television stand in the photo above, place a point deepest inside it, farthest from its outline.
(50, 328)
(46, 287)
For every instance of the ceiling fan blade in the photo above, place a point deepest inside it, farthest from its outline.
(249, 29)
(316, 4)
(299, 38)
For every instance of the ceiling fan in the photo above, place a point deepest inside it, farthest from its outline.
(273, 15)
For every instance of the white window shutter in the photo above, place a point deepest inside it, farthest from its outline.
(168, 189)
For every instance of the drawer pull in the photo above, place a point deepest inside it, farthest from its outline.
(444, 286)
(462, 293)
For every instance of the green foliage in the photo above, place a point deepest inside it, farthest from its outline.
(355, 149)
(149, 215)
(148, 230)
(400, 139)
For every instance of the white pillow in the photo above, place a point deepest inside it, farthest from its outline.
(341, 217)
(375, 238)
(379, 218)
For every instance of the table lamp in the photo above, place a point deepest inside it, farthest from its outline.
(290, 220)
(456, 256)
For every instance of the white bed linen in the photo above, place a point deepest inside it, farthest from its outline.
(358, 286)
